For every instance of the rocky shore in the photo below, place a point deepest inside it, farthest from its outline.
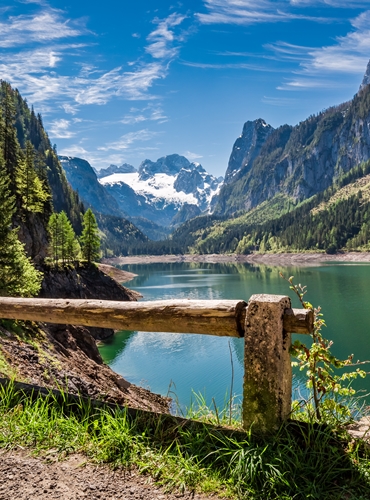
(304, 259)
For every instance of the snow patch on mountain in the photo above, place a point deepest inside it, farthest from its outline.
(157, 186)
(159, 190)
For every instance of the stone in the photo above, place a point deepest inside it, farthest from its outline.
(267, 389)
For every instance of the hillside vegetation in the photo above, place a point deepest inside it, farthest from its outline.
(303, 160)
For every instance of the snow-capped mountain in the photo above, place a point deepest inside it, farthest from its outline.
(159, 190)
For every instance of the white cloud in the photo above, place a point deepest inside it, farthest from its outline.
(36, 70)
(161, 40)
(192, 156)
(60, 129)
(44, 27)
(70, 109)
(345, 4)
(244, 12)
(149, 113)
(74, 150)
(311, 83)
(127, 140)
(348, 55)
(280, 101)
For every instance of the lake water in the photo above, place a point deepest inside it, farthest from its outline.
(186, 363)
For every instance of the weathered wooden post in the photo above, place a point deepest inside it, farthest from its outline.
(267, 389)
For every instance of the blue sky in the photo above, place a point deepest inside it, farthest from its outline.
(124, 80)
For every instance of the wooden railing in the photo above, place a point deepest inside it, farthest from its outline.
(266, 323)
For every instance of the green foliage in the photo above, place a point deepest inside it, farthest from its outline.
(18, 126)
(8, 136)
(18, 277)
(301, 461)
(30, 187)
(63, 246)
(329, 221)
(326, 387)
(90, 238)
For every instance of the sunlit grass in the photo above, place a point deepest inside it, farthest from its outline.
(301, 461)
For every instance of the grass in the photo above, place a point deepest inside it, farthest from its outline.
(301, 461)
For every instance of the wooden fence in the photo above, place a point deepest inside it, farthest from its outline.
(266, 323)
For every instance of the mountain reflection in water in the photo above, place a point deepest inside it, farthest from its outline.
(201, 362)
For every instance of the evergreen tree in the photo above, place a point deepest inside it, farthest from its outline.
(30, 188)
(90, 237)
(18, 277)
(63, 245)
(8, 134)
(54, 232)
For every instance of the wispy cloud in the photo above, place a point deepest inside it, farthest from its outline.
(280, 101)
(162, 39)
(149, 113)
(37, 69)
(75, 150)
(60, 129)
(223, 66)
(127, 140)
(70, 108)
(192, 156)
(348, 55)
(245, 12)
(44, 27)
(345, 4)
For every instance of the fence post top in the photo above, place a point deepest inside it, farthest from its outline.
(273, 299)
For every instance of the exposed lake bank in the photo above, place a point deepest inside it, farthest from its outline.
(304, 259)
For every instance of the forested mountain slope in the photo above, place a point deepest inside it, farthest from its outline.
(336, 219)
(37, 178)
(299, 161)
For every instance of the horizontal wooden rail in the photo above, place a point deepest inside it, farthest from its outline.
(210, 317)
(266, 323)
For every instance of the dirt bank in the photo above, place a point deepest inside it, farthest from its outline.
(66, 356)
(303, 259)
(117, 274)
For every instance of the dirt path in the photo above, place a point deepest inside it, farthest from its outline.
(26, 478)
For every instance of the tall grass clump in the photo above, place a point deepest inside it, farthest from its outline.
(303, 460)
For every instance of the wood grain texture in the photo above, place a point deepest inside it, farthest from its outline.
(298, 321)
(210, 317)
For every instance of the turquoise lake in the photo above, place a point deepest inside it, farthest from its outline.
(200, 363)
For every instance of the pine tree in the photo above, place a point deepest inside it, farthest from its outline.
(54, 232)
(90, 237)
(30, 188)
(18, 277)
(63, 245)
(8, 135)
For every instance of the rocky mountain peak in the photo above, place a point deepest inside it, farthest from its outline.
(84, 180)
(125, 168)
(366, 79)
(247, 147)
(170, 165)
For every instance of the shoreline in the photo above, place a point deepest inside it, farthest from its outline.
(274, 259)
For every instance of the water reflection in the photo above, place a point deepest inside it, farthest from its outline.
(202, 362)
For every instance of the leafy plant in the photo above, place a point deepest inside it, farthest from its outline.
(327, 388)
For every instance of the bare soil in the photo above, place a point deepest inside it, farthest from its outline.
(117, 274)
(23, 477)
(273, 259)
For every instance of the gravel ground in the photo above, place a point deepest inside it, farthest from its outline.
(27, 478)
